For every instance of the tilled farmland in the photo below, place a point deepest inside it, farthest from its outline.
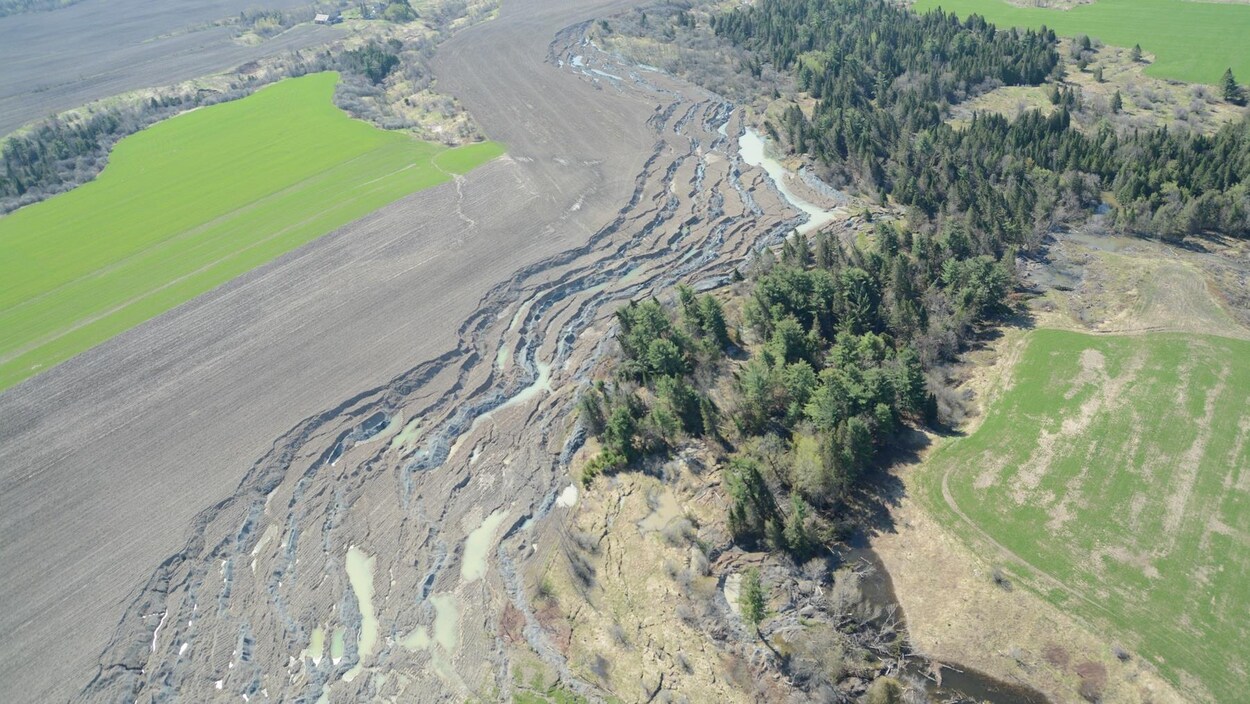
(95, 49)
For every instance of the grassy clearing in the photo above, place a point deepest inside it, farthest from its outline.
(1112, 474)
(1148, 102)
(1191, 41)
(191, 203)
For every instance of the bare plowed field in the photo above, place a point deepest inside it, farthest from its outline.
(55, 61)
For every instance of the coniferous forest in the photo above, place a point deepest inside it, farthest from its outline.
(883, 77)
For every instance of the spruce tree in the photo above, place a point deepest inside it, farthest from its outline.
(1232, 92)
(751, 599)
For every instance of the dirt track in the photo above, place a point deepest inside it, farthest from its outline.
(133, 505)
(58, 60)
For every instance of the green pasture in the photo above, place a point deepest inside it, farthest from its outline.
(1191, 41)
(191, 203)
(1112, 476)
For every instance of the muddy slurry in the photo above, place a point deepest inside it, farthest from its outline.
(398, 521)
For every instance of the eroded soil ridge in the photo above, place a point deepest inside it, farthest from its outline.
(424, 474)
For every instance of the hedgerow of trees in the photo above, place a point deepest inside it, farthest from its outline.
(58, 154)
(883, 78)
(373, 61)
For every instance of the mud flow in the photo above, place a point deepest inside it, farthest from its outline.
(398, 522)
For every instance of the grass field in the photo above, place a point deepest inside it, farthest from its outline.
(1191, 41)
(191, 203)
(1112, 475)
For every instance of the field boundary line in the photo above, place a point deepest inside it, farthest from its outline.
(101, 315)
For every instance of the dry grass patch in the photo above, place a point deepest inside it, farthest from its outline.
(957, 612)
(1147, 102)
(631, 585)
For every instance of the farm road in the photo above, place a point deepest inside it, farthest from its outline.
(121, 470)
(58, 60)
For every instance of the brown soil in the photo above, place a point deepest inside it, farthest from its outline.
(94, 49)
(1128, 285)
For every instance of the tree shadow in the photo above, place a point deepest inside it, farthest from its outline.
(881, 491)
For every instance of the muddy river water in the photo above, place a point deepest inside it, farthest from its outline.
(754, 151)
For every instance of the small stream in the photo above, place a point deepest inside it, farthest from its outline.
(753, 150)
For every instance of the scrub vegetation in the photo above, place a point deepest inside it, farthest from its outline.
(1112, 475)
(192, 202)
(1190, 41)
(1113, 92)
(800, 394)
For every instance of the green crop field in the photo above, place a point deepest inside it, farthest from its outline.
(1191, 41)
(191, 203)
(1112, 476)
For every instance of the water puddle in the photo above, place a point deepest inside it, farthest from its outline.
(477, 546)
(270, 533)
(419, 639)
(446, 621)
(753, 150)
(316, 646)
(568, 497)
(374, 434)
(338, 646)
(446, 629)
(665, 511)
(407, 436)
(360, 575)
(518, 315)
(541, 385)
